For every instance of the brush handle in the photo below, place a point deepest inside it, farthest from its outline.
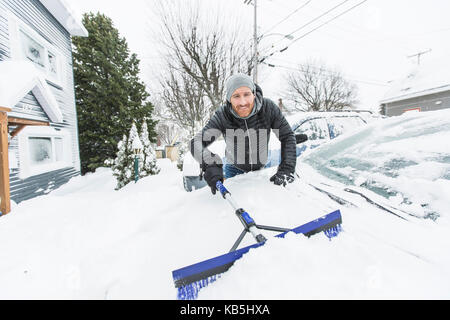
(244, 217)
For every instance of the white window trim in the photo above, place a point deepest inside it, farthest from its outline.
(16, 26)
(26, 168)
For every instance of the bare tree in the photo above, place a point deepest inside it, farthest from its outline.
(167, 132)
(202, 49)
(184, 101)
(314, 87)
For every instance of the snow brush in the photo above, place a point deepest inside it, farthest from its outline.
(189, 280)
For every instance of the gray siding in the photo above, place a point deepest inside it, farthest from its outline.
(37, 17)
(425, 103)
(39, 185)
(29, 108)
(4, 38)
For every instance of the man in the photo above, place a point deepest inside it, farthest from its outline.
(245, 121)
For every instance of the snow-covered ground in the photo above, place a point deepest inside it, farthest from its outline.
(88, 241)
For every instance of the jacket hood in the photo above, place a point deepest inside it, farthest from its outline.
(259, 97)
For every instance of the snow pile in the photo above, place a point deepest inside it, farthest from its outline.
(316, 268)
(377, 256)
(88, 241)
(17, 78)
(406, 159)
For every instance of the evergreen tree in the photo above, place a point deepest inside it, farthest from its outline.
(109, 94)
(123, 167)
(148, 158)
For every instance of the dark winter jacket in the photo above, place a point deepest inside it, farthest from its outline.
(247, 139)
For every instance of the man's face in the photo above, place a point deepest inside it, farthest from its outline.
(243, 101)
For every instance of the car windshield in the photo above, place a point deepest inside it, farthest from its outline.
(405, 159)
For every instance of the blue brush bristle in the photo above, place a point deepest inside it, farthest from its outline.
(223, 262)
(333, 232)
(190, 291)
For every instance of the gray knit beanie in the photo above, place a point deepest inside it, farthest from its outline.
(236, 81)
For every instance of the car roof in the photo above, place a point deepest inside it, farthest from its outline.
(301, 117)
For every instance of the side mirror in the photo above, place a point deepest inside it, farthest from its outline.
(301, 137)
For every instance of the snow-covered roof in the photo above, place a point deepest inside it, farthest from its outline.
(17, 78)
(65, 15)
(425, 79)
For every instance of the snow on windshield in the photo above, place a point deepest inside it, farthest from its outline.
(406, 159)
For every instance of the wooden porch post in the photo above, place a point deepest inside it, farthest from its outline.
(5, 205)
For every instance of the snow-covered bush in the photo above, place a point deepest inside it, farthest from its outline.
(123, 166)
(148, 157)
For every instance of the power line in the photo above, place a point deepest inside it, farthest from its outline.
(323, 14)
(368, 37)
(284, 19)
(321, 25)
(317, 18)
(374, 81)
(305, 25)
(326, 22)
(326, 71)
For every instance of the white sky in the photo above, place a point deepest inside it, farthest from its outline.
(369, 44)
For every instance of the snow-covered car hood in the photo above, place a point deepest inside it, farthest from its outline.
(406, 159)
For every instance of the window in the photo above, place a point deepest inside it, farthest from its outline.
(43, 149)
(315, 129)
(412, 110)
(52, 63)
(40, 150)
(27, 44)
(341, 125)
(32, 50)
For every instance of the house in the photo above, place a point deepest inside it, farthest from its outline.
(426, 88)
(39, 137)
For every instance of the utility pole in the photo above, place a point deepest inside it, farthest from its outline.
(255, 39)
(418, 55)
